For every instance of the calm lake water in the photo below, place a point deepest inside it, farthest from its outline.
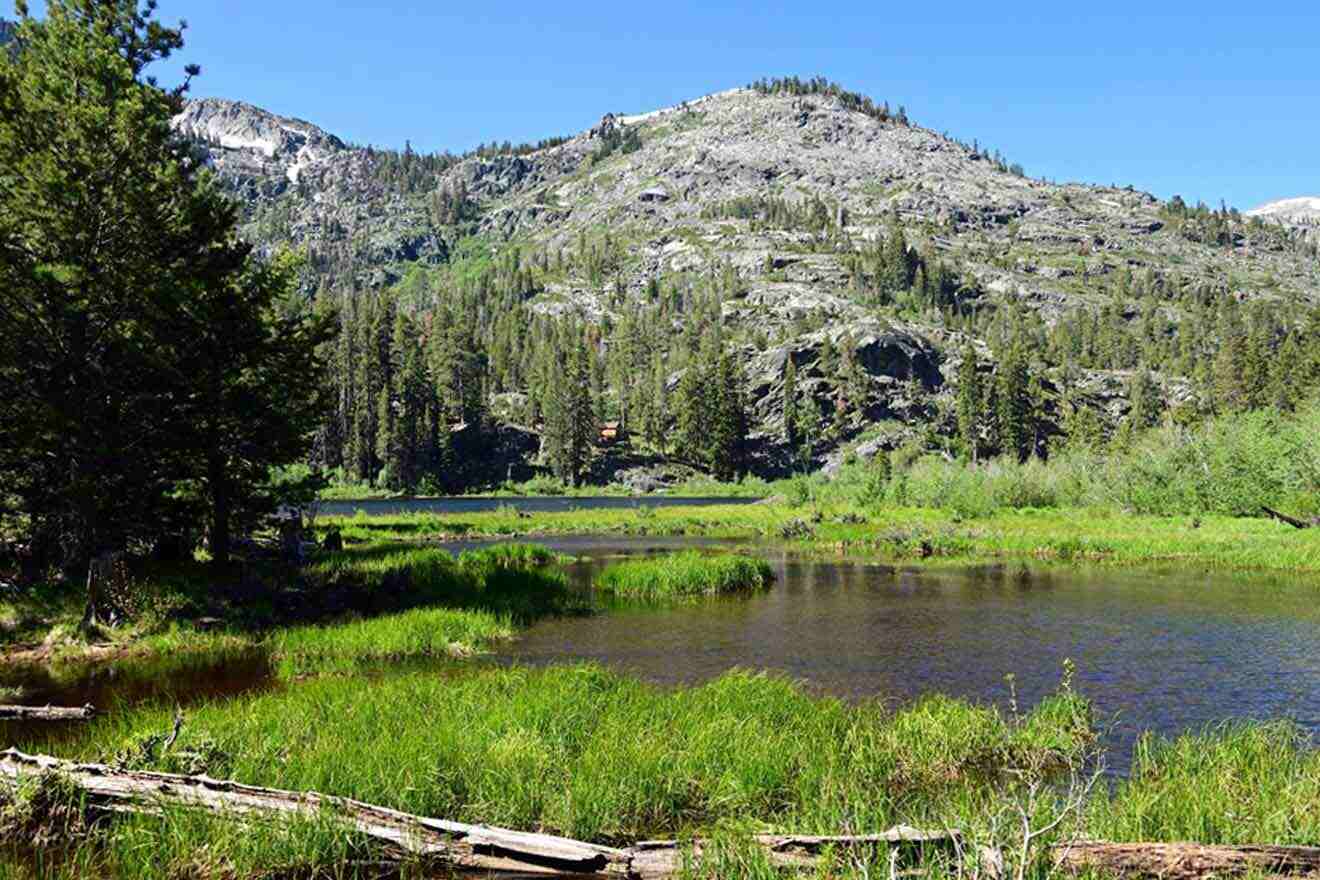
(531, 504)
(1155, 651)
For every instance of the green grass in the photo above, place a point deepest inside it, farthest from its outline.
(584, 752)
(365, 594)
(484, 594)
(1235, 783)
(910, 534)
(580, 751)
(685, 574)
(421, 632)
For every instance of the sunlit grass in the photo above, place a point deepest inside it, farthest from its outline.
(1092, 536)
(685, 574)
(421, 632)
(595, 755)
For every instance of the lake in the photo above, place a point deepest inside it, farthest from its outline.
(1161, 651)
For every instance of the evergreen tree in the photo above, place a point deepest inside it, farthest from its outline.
(570, 428)
(1144, 399)
(729, 425)
(1015, 410)
(136, 330)
(971, 404)
(257, 385)
(692, 406)
(790, 403)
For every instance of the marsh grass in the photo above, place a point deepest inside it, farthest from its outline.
(372, 602)
(584, 752)
(587, 753)
(1089, 536)
(421, 632)
(517, 581)
(1233, 783)
(484, 594)
(684, 575)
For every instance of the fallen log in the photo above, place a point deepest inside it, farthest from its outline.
(1184, 861)
(455, 844)
(1290, 520)
(46, 713)
(505, 852)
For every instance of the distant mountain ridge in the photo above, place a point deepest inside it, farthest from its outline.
(244, 140)
(1301, 211)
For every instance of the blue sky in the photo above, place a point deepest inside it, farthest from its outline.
(1171, 97)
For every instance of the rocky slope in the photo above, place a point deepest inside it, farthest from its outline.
(670, 203)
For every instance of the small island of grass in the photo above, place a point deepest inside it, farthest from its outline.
(681, 575)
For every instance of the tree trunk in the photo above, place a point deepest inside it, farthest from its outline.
(46, 713)
(1184, 861)
(99, 571)
(1290, 520)
(93, 595)
(220, 542)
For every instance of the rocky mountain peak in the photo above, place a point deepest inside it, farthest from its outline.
(247, 141)
(1300, 211)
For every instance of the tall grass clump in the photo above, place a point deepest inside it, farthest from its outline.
(680, 575)
(1236, 783)
(519, 581)
(421, 632)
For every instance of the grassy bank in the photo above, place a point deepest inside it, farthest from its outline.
(578, 751)
(373, 601)
(594, 755)
(680, 575)
(907, 534)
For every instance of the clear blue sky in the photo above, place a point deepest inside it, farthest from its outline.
(1206, 99)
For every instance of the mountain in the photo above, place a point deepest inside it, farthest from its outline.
(1299, 213)
(247, 143)
(787, 200)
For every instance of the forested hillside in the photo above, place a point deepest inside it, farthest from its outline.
(765, 279)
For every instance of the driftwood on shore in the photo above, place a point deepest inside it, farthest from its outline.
(501, 851)
(461, 846)
(1185, 861)
(1291, 520)
(47, 713)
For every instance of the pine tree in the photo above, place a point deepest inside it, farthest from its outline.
(729, 425)
(136, 329)
(808, 430)
(971, 403)
(657, 412)
(1013, 398)
(691, 408)
(570, 429)
(1144, 399)
(583, 425)
(790, 403)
